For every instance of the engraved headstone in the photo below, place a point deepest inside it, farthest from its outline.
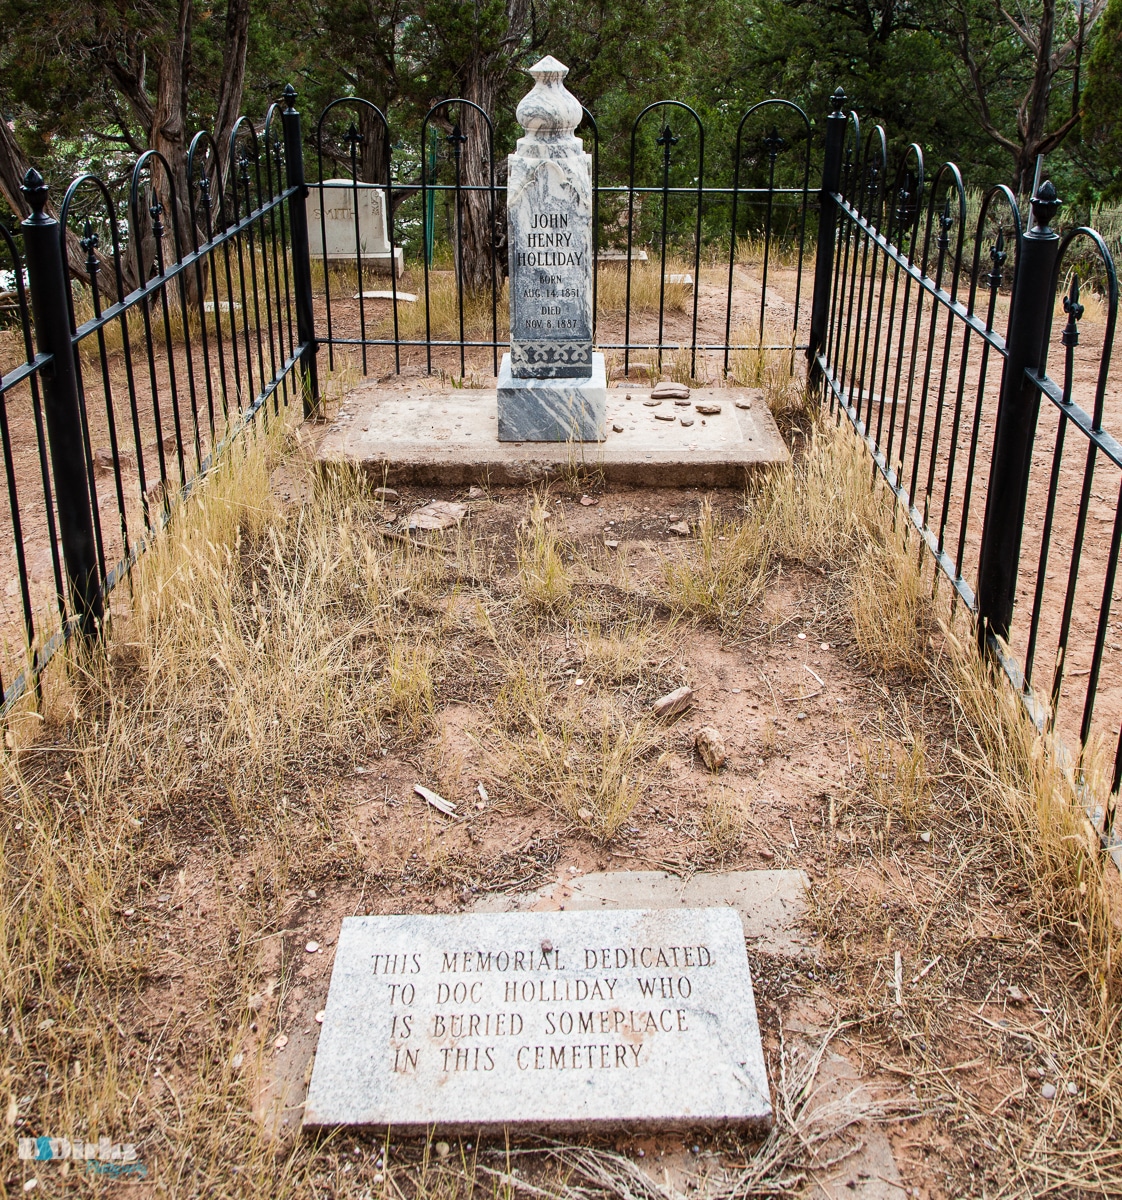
(550, 1020)
(337, 227)
(552, 386)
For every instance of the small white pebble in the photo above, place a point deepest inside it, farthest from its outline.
(925, 836)
(1073, 1089)
(312, 947)
(31, 1185)
(578, 683)
(281, 1041)
(1048, 1091)
(824, 646)
(802, 637)
(320, 1015)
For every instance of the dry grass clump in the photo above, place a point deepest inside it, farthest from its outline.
(571, 748)
(1038, 801)
(890, 601)
(897, 773)
(611, 287)
(818, 511)
(543, 579)
(725, 571)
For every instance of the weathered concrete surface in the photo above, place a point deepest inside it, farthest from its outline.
(771, 904)
(424, 437)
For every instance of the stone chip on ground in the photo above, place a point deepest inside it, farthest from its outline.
(711, 746)
(681, 528)
(673, 703)
(440, 514)
(387, 495)
(667, 390)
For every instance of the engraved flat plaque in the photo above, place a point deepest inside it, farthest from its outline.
(553, 1020)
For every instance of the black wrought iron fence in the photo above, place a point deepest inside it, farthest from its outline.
(934, 338)
(196, 316)
(930, 326)
(666, 210)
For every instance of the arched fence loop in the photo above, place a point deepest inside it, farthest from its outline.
(998, 472)
(937, 350)
(184, 362)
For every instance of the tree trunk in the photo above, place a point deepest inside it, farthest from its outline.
(232, 83)
(169, 137)
(477, 222)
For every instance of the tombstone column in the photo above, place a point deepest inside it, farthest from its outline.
(552, 386)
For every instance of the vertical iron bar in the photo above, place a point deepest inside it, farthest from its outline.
(49, 286)
(1018, 406)
(301, 254)
(827, 227)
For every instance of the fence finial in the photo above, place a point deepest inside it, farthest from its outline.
(1045, 205)
(35, 189)
(838, 99)
(289, 95)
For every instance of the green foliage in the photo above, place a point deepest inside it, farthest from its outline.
(1102, 108)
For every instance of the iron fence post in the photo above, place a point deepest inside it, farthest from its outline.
(301, 251)
(827, 227)
(48, 284)
(1017, 409)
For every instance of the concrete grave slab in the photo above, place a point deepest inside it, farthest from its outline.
(424, 437)
(771, 904)
(570, 1021)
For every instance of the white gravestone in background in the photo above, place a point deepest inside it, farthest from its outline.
(552, 387)
(339, 224)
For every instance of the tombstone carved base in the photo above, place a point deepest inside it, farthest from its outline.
(553, 410)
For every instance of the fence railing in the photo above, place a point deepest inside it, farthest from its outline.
(666, 209)
(932, 331)
(196, 316)
(929, 326)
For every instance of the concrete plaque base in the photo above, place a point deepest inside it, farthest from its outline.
(552, 410)
(424, 437)
(564, 1021)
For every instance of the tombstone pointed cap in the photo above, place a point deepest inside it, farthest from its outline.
(548, 69)
(549, 112)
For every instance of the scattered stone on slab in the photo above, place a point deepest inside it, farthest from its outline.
(682, 403)
(708, 409)
(617, 427)
(673, 703)
(681, 528)
(651, 403)
(439, 514)
(744, 404)
(668, 390)
(386, 495)
(664, 416)
(527, 978)
(687, 421)
(711, 746)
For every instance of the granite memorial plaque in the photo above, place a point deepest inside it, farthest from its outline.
(552, 1020)
(552, 386)
(339, 224)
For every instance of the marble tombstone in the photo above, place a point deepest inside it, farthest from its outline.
(552, 387)
(339, 224)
